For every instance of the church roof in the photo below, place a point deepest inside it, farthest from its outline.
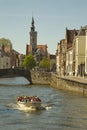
(43, 47)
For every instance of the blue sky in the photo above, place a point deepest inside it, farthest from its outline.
(51, 19)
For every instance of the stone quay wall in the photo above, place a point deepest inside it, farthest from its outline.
(39, 77)
(66, 83)
(72, 84)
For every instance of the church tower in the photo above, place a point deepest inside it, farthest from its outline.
(33, 38)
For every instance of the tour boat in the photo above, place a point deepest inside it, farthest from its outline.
(29, 101)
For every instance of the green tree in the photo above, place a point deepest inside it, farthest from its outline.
(45, 63)
(29, 62)
(5, 42)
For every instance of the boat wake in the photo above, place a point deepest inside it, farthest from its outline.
(29, 109)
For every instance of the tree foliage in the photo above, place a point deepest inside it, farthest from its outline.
(29, 62)
(5, 42)
(45, 63)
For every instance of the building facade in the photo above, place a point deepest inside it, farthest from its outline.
(75, 53)
(9, 57)
(81, 52)
(70, 52)
(4, 59)
(61, 57)
(66, 54)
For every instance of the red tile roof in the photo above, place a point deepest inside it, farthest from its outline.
(43, 47)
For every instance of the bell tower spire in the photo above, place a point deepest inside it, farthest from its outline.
(32, 24)
(32, 21)
(33, 38)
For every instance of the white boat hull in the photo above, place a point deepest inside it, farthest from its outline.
(29, 104)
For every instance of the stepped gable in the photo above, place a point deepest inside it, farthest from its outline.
(70, 34)
(82, 31)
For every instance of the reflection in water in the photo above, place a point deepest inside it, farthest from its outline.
(63, 110)
(14, 81)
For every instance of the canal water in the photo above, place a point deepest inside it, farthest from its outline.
(62, 110)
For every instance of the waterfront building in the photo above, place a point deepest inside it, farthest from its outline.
(69, 61)
(75, 53)
(52, 59)
(70, 57)
(6, 43)
(86, 51)
(16, 58)
(61, 57)
(57, 59)
(5, 53)
(66, 54)
(4, 58)
(81, 52)
(8, 56)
